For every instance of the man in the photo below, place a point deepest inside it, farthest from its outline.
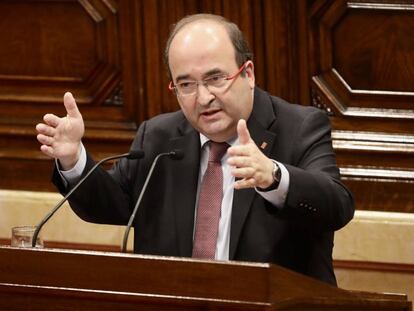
(277, 188)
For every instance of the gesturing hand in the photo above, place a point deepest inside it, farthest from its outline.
(250, 164)
(61, 137)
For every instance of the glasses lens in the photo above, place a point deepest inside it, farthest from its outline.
(187, 88)
(216, 81)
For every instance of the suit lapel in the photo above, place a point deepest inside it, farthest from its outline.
(261, 125)
(184, 181)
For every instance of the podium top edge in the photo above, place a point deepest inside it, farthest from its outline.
(138, 256)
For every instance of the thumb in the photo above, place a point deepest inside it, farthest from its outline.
(70, 105)
(243, 132)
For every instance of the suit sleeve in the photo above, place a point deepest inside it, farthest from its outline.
(316, 198)
(106, 197)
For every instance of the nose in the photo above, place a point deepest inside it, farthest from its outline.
(204, 96)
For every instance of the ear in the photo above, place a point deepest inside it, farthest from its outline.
(249, 70)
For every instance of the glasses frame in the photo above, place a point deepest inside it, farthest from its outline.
(173, 87)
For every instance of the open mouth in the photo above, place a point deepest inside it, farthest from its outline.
(210, 112)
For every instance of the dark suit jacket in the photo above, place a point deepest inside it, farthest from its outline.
(299, 236)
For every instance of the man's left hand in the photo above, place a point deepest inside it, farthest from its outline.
(250, 165)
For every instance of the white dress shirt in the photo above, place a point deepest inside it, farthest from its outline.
(277, 197)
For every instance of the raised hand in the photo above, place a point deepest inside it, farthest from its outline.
(61, 137)
(250, 164)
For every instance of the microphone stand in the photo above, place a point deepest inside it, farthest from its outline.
(175, 154)
(133, 154)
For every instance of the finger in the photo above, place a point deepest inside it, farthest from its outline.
(45, 129)
(70, 105)
(243, 132)
(245, 172)
(47, 150)
(40, 127)
(238, 161)
(51, 119)
(44, 140)
(239, 150)
(245, 183)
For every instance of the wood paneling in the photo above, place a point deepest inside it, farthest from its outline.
(109, 54)
(49, 47)
(362, 61)
(53, 46)
(354, 59)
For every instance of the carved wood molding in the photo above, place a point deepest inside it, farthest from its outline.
(384, 175)
(362, 64)
(375, 142)
(373, 266)
(361, 73)
(54, 56)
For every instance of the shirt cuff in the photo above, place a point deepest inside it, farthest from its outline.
(278, 196)
(72, 176)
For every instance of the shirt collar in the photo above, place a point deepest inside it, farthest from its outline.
(204, 139)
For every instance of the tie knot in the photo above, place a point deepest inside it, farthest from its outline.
(217, 150)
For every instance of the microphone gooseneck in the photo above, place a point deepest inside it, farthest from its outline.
(175, 154)
(133, 154)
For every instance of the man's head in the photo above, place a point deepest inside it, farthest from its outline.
(205, 49)
(241, 47)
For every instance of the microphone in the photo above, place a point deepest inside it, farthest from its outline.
(175, 154)
(133, 154)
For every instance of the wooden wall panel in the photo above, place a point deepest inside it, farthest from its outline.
(354, 59)
(362, 61)
(49, 47)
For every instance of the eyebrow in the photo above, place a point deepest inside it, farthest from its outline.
(209, 73)
(212, 72)
(182, 77)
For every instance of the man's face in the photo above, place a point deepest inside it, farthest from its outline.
(202, 50)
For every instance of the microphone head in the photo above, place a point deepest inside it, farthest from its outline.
(135, 154)
(177, 154)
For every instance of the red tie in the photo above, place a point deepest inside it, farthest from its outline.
(209, 204)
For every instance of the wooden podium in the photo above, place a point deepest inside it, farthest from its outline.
(51, 279)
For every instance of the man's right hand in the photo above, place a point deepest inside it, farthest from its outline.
(61, 137)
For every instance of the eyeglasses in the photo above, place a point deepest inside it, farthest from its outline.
(214, 83)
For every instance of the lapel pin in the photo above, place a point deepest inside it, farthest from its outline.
(263, 145)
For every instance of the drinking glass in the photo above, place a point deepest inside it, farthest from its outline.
(22, 237)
